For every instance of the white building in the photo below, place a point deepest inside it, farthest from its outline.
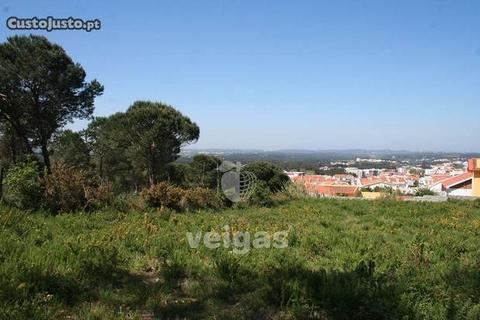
(460, 185)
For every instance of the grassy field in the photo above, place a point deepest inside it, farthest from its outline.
(345, 260)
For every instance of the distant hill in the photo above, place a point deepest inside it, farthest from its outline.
(331, 154)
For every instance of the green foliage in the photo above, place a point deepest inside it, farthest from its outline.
(331, 171)
(295, 191)
(344, 260)
(12, 149)
(108, 156)
(65, 188)
(203, 171)
(261, 194)
(268, 173)
(150, 135)
(163, 195)
(45, 89)
(102, 154)
(387, 190)
(99, 196)
(292, 191)
(70, 148)
(23, 187)
(177, 173)
(200, 198)
(424, 192)
(135, 147)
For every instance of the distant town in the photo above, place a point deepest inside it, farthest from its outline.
(401, 174)
(445, 178)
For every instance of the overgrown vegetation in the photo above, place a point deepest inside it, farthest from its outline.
(23, 185)
(164, 195)
(68, 189)
(424, 192)
(93, 224)
(123, 154)
(345, 260)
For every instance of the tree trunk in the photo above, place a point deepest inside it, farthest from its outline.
(218, 179)
(152, 174)
(46, 157)
(152, 164)
(203, 175)
(1, 183)
(23, 136)
(13, 147)
(19, 130)
(100, 167)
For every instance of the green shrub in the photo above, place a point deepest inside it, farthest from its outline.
(23, 187)
(476, 203)
(268, 173)
(129, 202)
(174, 267)
(163, 195)
(98, 261)
(239, 278)
(291, 191)
(295, 190)
(281, 198)
(65, 188)
(424, 192)
(199, 198)
(100, 196)
(283, 281)
(261, 195)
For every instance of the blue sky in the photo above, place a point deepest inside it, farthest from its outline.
(286, 74)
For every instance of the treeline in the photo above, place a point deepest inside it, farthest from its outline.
(128, 153)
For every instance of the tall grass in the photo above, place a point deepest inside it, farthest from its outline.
(345, 260)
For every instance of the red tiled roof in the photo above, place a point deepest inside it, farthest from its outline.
(439, 177)
(387, 179)
(334, 190)
(452, 181)
(342, 176)
(316, 179)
